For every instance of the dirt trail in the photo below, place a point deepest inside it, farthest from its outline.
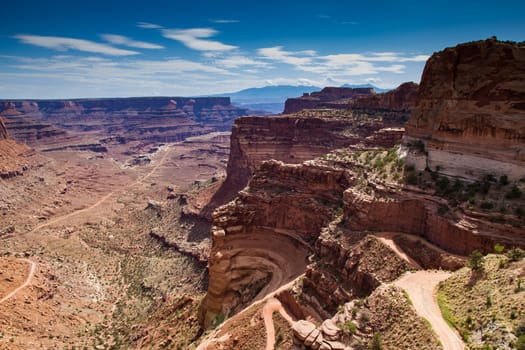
(32, 268)
(421, 287)
(269, 308)
(103, 199)
(387, 238)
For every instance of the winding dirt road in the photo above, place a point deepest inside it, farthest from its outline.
(269, 308)
(32, 268)
(421, 286)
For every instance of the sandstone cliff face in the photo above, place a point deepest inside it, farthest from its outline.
(3, 130)
(470, 112)
(329, 97)
(416, 213)
(294, 139)
(12, 155)
(399, 99)
(263, 238)
(147, 119)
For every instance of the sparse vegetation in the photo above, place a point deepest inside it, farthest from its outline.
(489, 306)
(376, 343)
(476, 261)
(516, 254)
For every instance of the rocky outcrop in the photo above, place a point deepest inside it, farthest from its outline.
(329, 97)
(263, 238)
(294, 139)
(13, 159)
(400, 99)
(418, 214)
(346, 269)
(144, 119)
(3, 130)
(470, 112)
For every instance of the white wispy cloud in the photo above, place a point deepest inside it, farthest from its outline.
(237, 61)
(125, 41)
(277, 53)
(342, 64)
(147, 25)
(64, 44)
(196, 39)
(97, 66)
(224, 21)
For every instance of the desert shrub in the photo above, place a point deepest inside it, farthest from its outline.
(412, 179)
(376, 343)
(364, 317)
(520, 329)
(503, 180)
(520, 343)
(348, 328)
(514, 193)
(487, 205)
(515, 254)
(498, 248)
(443, 209)
(476, 261)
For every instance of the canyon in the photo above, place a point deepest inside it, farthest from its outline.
(146, 224)
(337, 206)
(93, 123)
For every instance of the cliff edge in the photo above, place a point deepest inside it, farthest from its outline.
(470, 112)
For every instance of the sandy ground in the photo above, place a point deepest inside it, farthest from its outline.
(421, 287)
(32, 268)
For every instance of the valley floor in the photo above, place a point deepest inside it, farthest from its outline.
(78, 263)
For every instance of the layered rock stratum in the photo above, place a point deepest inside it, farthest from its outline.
(299, 137)
(13, 155)
(362, 211)
(329, 97)
(47, 123)
(470, 113)
(401, 98)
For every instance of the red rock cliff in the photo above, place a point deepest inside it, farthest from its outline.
(294, 139)
(470, 112)
(3, 130)
(401, 98)
(329, 97)
(146, 119)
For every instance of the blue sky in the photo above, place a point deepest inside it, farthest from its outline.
(95, 48)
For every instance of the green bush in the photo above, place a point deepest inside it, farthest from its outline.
(376, 343)
(515, 254)
(476, 261)
(348, 328)
(503, 180)
(498, 248)
(520, 343)
(514, 193)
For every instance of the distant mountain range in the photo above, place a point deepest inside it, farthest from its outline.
(272, 98)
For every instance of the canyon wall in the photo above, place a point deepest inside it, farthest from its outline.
(418, 214)
(263, 238)
(13, 155)
(470, 112)
(294, 139)
(329, 97)
(399, 99)
(145, 119)
(3, 130)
